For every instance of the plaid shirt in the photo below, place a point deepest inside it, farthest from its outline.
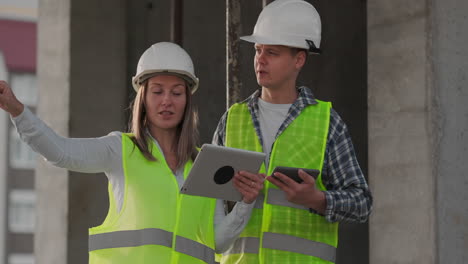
(348, 195)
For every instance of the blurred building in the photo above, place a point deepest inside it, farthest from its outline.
(17, 161)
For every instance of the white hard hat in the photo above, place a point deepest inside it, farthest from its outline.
(165, 58)
(293, 23)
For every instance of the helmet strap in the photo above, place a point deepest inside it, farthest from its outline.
(312, 48)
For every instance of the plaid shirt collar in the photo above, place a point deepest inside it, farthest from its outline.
(305, 98)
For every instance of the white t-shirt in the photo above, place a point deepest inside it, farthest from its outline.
(270, 116)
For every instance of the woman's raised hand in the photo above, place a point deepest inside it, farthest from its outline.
(8, 101)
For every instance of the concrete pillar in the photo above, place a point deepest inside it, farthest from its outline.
(450, 127)
(401, 170)
(417, 125)
(82, 81)
(53, 79)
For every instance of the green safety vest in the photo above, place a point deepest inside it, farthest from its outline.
(280, 231)
(156, 224)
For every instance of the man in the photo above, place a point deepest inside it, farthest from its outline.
(291, 222)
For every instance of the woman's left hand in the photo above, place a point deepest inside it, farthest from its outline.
(249, 185)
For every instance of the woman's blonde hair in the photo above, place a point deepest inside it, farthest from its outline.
(187, 132)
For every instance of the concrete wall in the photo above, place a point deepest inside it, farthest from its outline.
(401, 169)
(450, 120)
(417, 126)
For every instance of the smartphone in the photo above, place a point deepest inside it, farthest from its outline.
(293, 173)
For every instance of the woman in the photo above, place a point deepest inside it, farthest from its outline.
(148, 220)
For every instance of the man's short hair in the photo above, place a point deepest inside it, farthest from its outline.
(295, 51)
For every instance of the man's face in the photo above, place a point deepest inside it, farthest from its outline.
(276, 66)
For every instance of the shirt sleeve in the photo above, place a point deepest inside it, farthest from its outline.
(220, 132)
(228, 227)
(89, 155)
(348, 195)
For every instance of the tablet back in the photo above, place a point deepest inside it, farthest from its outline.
(214, 168)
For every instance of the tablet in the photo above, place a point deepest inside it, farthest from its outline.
(214, 168)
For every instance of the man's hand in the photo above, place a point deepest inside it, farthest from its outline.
(249, 185)
(305, 193)
(8, 101)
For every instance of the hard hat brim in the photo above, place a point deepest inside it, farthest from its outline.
(261, 40)
(271, 41)
(189, 78)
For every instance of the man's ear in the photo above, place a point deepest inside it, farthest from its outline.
(300, 59)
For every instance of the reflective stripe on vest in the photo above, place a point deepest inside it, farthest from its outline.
(244, 245)
(130, 238)
(284, 243)
(277, 197)
(299, 245)
(150, 236)
(195, 249)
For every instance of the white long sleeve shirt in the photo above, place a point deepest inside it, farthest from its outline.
(104, 154)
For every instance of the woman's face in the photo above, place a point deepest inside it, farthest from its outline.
(165, 102)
